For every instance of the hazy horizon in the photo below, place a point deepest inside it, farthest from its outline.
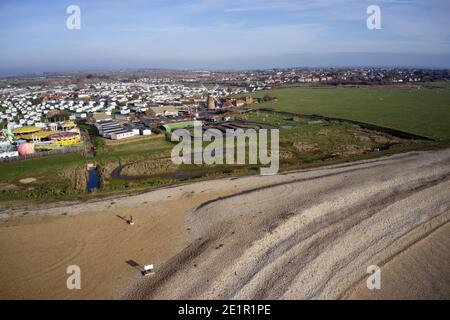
(363, 61)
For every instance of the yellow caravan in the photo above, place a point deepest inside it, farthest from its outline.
(65, 138)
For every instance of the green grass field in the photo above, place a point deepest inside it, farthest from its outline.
(48, 167)
(424, 112)
(153, 146)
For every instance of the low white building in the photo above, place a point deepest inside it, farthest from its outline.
(113, 130)
(121, 135)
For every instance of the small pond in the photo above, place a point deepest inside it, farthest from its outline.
(93, 180)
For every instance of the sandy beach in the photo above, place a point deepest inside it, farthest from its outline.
(309, 234)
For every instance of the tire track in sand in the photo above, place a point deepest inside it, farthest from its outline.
(315, 238)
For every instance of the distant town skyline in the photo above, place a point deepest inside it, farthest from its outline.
(221, 34)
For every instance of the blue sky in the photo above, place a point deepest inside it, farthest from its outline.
(221, 34)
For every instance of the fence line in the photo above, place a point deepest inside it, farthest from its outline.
(44, 154)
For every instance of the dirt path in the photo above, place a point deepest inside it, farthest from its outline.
(306, 234)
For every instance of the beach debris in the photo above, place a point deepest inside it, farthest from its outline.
(148, 270)
(27, 180)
